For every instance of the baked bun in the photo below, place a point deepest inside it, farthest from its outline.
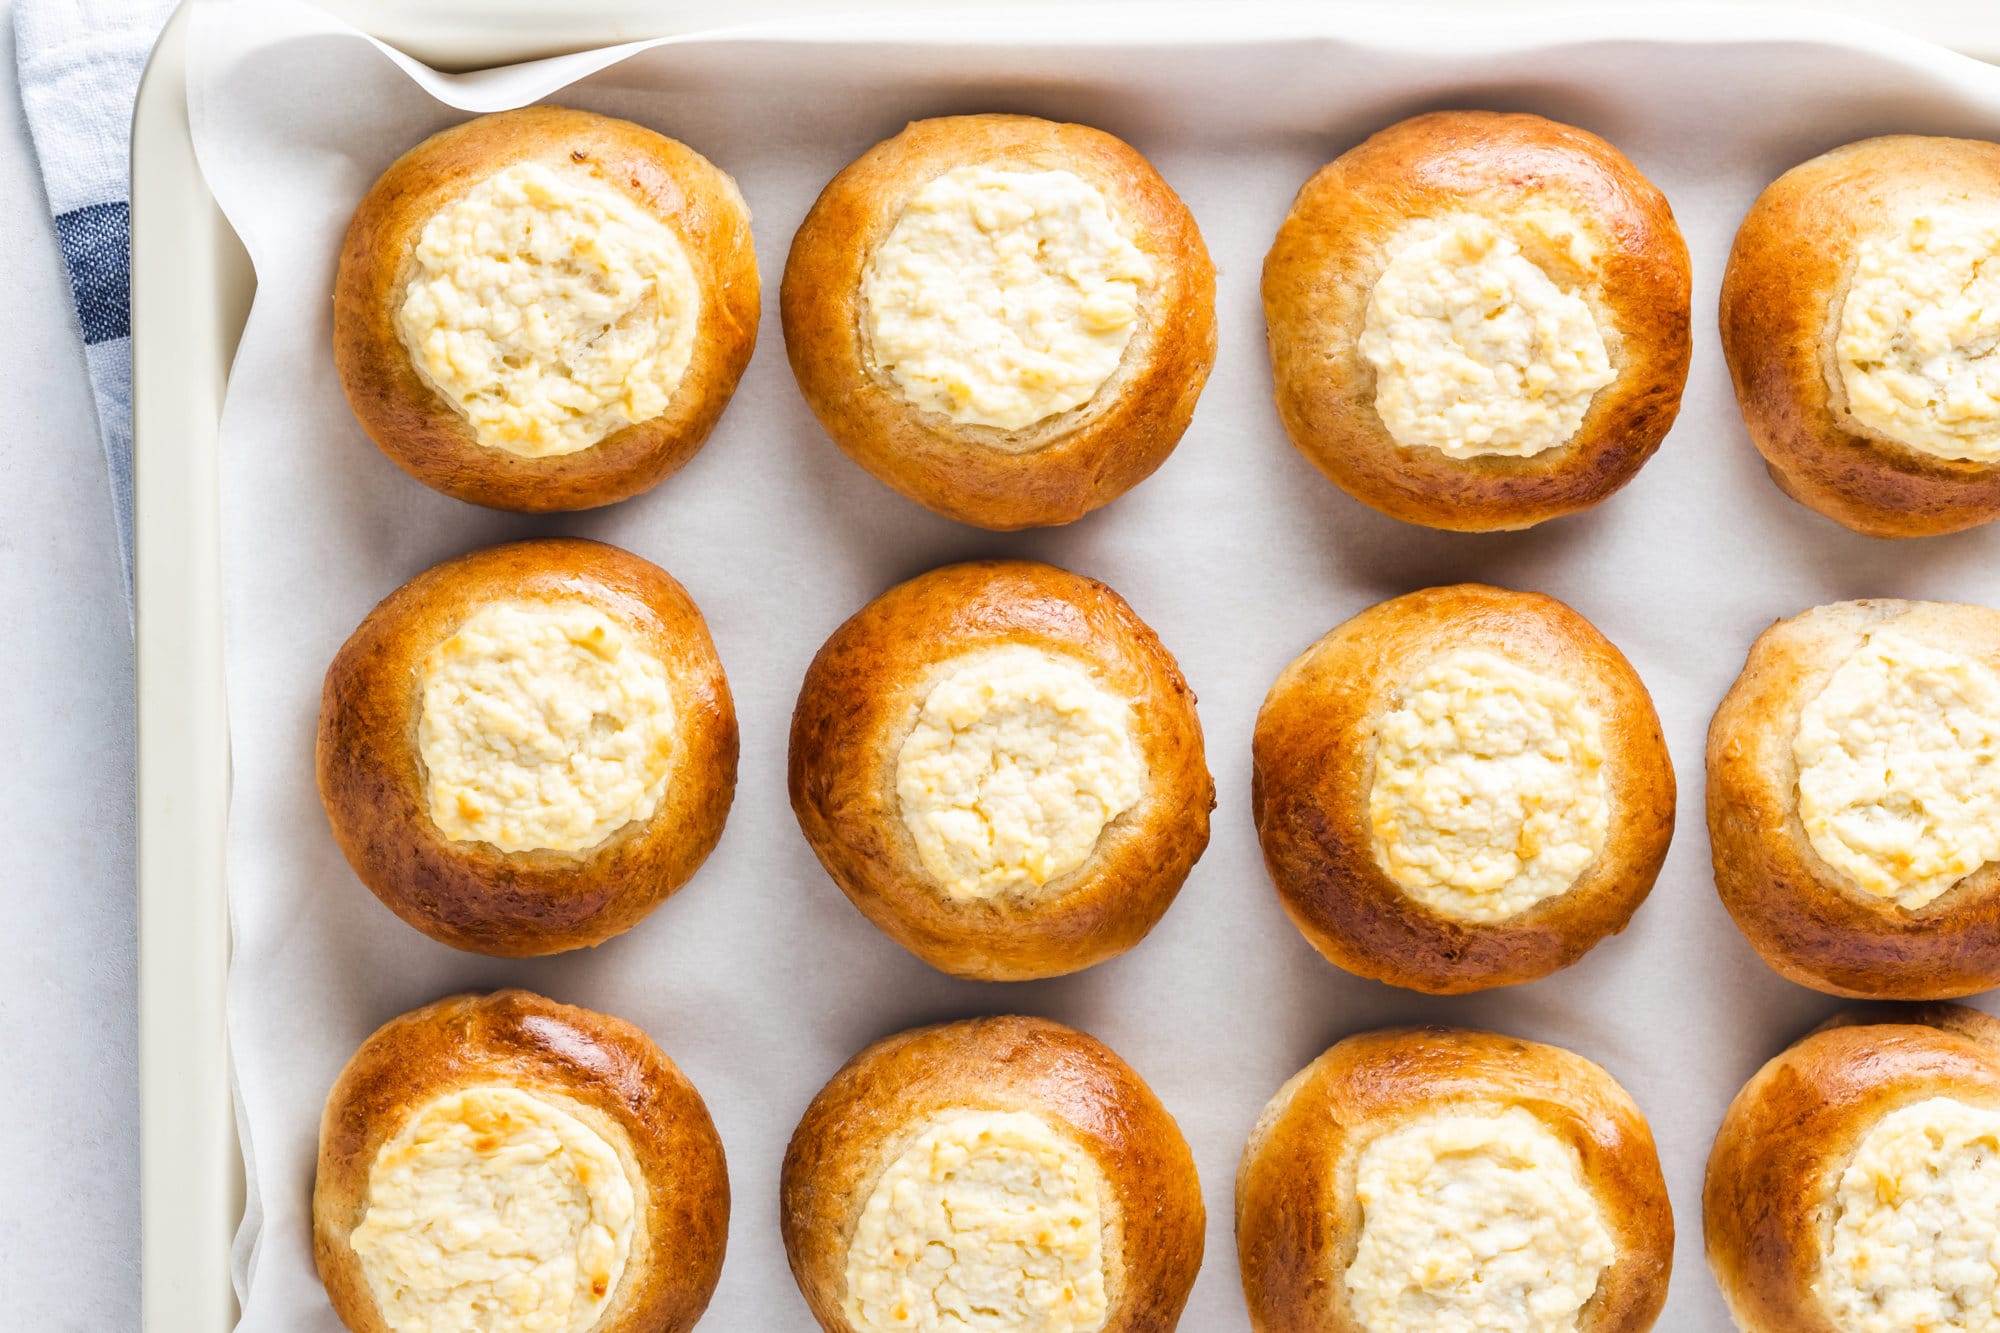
(1478, 321)
(545, 309)
(1855, 1182)
(1006, 319)
(526, 749)
(1001, 767)
(1438, 1178)
(1460, 788)
(999, 1173)
(1859, 312)
(506, 1163)
(1854, 799)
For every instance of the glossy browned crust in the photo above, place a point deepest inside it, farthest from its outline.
(602, 1070)
(1298, 1220)
(1809, 920)
(1314, 755)
(419, 429)
(883, 1098)
(1341, 234)
(860, 700)
(1082, 458)
(1768, 1204)
(471, 894)
(1780, 310)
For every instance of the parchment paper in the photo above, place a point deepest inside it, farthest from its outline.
(758, 978)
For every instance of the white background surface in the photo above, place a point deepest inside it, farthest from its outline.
(68, 1209)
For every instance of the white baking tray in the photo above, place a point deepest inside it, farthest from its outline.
(191, 294)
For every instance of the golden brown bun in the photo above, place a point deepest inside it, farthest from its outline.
(1781, 297)
(1063, 466)
(1298, 1220)
(1337, 240)
(602, 1070)
(1314, 754)
(422, 432)
(472, 895)
(1767, 1205)
(868, 1114)
(860, 700)
(1807, 918)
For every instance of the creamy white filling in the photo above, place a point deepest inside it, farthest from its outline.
(1899, 768)
(1476, 350)
(1002, 297)
(551, 309)
(1918, 348)
(990, 1221)
(1017, 762)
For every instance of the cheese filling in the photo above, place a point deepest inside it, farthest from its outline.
(1002, 297)
(1476, 350)
(1474, 1223)
(1488, 794)
(494, 1210)
(1017, 762)
(550, 309)
(1918, 347)
(543, 726)
(1916, 1232)
(1899, 768)
(990, 1221)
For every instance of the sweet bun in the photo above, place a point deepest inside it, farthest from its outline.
(1854, 799)
(526, 749)
(1001, 766)
(1003, 1173)
(1859, 312)
(1852, 1185)
(1478, 321)
(1006, 319)
(1440, 1178)
(545, 309)
(1460, 788)
(507, 1163)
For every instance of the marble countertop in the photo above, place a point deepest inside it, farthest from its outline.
(68, 1100)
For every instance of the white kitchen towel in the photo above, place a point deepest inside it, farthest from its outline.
(79, 63)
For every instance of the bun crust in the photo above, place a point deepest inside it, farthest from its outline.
(1337, 240)
(877, 1104)
(1803, 915)
(1061, 467)
(422, 432)
(1788, 276)
(1767, 1204)
(602, 1070)
(1298, 1221)
(860, 700)
(1314, 752)
(472, 895)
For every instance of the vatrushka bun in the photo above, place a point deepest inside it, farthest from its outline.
(545, 309)
(513, 1165)
(1006, 319)
(1854, 799)
(1860, 313)
(526, 749)
(1001, 766)
(1854, 1186)
(998, 1173)
(1420, 1179)
(1478, 321)
(1461, 788)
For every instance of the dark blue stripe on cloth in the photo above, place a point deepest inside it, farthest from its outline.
(97, 247)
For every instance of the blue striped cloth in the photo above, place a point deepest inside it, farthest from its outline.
(79, 63)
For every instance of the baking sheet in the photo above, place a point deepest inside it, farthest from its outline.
(758, 978)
